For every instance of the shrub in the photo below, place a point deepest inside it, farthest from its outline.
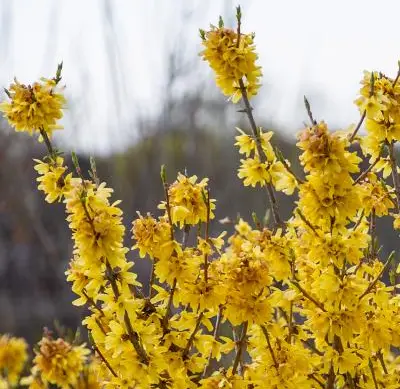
(305, 297)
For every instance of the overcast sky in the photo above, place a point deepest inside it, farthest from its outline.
(115, 55)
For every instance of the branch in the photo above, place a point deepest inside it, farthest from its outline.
(240, 349)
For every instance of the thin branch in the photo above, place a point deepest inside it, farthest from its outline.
(371, 367)
(353, 135)
(96, 349)
(216, 329)
(240, 349)
(192, 336)
(364, 174)
(249, 111)
(382, 361)
(271, 351)
(47, 141)
(395, 175)
(307, 222)
(377, 278)
(207, 237)
(309, 113)
(133, 336)
(308, 296)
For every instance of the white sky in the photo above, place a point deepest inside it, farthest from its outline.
(313, 47)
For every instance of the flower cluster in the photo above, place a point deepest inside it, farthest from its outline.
(34, 107)
(233, 57)
(13, 356)
(276, 304)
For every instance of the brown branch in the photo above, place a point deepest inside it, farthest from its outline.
(133, 336)
(240, 349)
(371, 367)
(308, 296)
(395, 175)
(309, 112)
(185, 352)
(376, 279)
(249, 112)
(96, 349)
(207, 237)
(271, 351)
(330, 384)
(364, 174)
(216, 329)
(47, 141)
(353, 135)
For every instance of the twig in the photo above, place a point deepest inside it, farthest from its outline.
(308, 296)
(185, 352)
(133, 336)
(382, 361)
(309, 113)
(96, 349)
(47, 141)
(395, 175)
(371, 367)
(240, 349)
(372, 232)
(307, 222)
(376, 279)
(216, 329)
(364, 174)
(353, 135)
(320, 383)
(207, 237)
(253, 125)
(266, 334)
(330, 384)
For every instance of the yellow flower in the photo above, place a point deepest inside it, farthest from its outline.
(254, 172)
(150, 235)
(13, 356)
(187, 200)
(34, 107)
(59, 362)
(53, 181)
(232, 61)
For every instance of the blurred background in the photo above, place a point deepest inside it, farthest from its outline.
(140, 96)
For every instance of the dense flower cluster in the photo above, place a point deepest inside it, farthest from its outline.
(233, 58)
(34, 107)
(13, 356)
(303, 302)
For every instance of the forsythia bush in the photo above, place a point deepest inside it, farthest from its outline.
(304, 299)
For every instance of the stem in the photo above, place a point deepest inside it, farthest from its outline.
(168, 206)
(47, 141)
(373, 283)
(96, 349)
(309, 297)
(290, 323)
(353, 135)
(216, 329)
(309, 112)
(240, 349)
(206, 237)
(371, 367)
(266, 334)
(372, 232)
(364, 174)
(133, 336)
(270, 190)
(330, 384)
(382, 361)
(395, 175)
(192, 336)
(152, 279)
